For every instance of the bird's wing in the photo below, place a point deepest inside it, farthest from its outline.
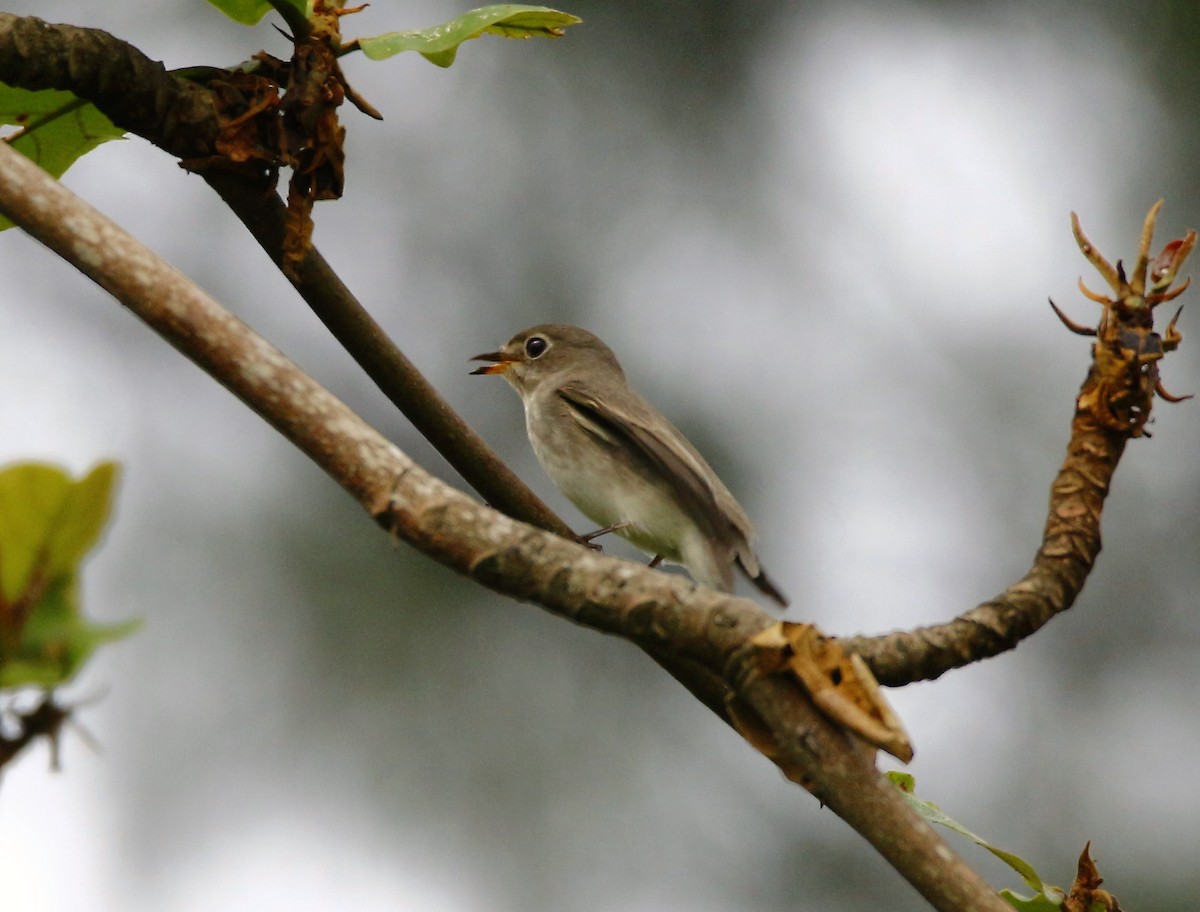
(667, 450)
(680, 464)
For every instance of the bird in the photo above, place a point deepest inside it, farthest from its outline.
(620, 461)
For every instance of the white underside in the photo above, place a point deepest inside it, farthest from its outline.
(608, 492)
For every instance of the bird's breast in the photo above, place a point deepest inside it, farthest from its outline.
(605, 478)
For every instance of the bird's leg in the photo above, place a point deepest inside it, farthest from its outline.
(655, 561)
(615, 527)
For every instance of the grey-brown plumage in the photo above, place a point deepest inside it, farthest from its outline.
(620, 461)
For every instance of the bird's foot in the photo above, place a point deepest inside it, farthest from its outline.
(615, 527)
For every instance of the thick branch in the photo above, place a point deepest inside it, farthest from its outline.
(616, 596)
(865, 800)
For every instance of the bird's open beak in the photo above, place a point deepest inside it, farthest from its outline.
(502, 362)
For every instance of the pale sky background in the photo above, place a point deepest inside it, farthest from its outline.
(821, 237)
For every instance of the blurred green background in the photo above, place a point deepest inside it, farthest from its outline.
(820, 236)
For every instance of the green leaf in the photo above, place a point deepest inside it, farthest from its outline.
(250, 12)
(1038, 903)
(56, 641)
(56, 128)
(48, 523)
(81, 519)
(439, 44)
(30, 498)
(933, 814)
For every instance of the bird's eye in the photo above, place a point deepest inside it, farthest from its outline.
(535, 346)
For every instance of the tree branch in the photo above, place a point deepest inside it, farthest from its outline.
(1114, 405)
(183, 118)
(23, 40)
(663, 612)
(691, 632)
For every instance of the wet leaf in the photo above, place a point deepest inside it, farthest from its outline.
(440, 43)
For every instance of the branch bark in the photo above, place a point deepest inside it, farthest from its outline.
(135, 92)
(663, 612)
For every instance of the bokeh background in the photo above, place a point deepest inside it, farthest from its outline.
(821, 236)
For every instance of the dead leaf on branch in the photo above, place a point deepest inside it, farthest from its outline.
(284, 114)
(1086, 895)
(246, 104)
(838, 682)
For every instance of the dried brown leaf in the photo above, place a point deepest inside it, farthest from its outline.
(1086, 895)
(838, 682)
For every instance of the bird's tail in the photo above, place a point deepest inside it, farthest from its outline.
(764, 583)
